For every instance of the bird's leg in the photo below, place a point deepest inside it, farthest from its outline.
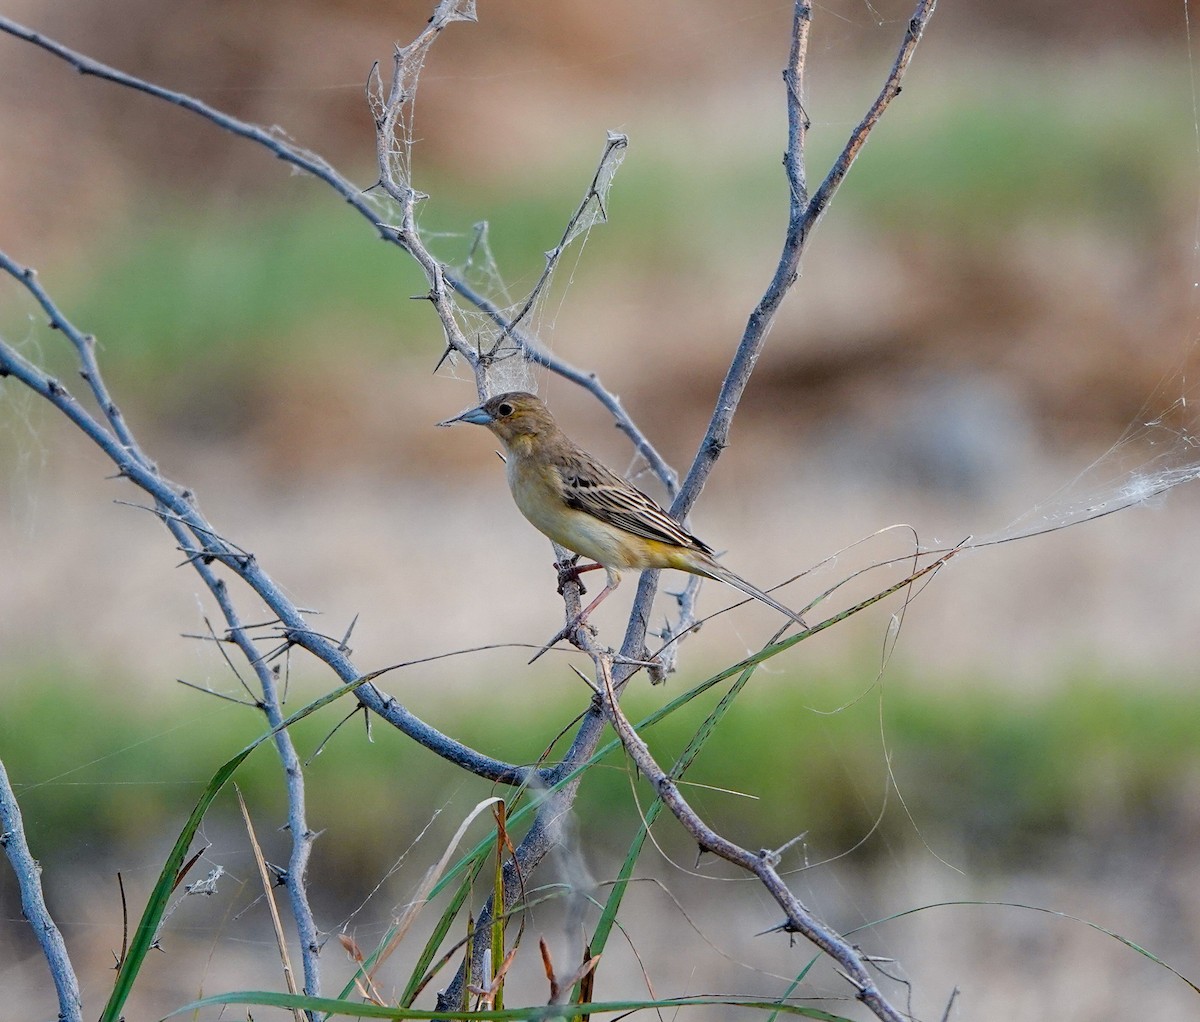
(614, 579)
(569, 571)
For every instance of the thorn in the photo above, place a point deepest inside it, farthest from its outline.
(445, 355)
(585, 679)
(785, 927)
(344, 644)
(851, 980)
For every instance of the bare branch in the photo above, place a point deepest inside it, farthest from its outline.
(802, 218)
(858, 137)
(762, 864)
(204, 546)
(33, 904)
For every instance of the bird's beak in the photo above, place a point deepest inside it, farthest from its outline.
(477, 416)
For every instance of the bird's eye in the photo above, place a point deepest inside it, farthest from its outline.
(504, 409)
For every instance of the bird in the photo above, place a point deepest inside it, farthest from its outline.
(579, 503)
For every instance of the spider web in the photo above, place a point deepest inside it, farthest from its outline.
(512, 331)
(1159, 449)
(1157, 452)
(506, 330)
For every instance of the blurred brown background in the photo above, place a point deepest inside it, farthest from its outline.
(1002, 291)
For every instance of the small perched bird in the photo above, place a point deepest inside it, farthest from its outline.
(584, 506)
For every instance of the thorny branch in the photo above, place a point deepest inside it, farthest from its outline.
(442, 278)
(194, 534)
(763, 864)
(302, 836)
(803, 216)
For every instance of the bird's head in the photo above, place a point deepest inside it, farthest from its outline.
(513, 417)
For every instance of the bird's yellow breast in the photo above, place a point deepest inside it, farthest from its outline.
(537, 490)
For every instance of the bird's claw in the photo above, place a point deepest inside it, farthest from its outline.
(568, 571)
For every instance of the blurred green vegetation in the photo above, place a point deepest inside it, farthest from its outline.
(979, 771)
(210, 295)
(216, 289)
(988, 167)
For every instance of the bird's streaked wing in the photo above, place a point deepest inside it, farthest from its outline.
(591, 487)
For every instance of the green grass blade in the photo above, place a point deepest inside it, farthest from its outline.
(420, 974)
(498, 911)
(536, 1013)
(794, 984)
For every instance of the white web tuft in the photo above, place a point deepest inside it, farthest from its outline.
(1156, 453)
(509, 334)
(504, 335)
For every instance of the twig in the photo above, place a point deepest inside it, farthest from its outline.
(220, 695)
(614, 148)
(236, 636)
(33, 904)
(762, 864)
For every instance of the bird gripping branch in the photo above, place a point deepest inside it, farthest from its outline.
(580, 504)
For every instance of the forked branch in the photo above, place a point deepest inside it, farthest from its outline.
(205, 546)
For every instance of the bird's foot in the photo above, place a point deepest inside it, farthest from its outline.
(570, 570)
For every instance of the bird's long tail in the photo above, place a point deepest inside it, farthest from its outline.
(723, 574)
